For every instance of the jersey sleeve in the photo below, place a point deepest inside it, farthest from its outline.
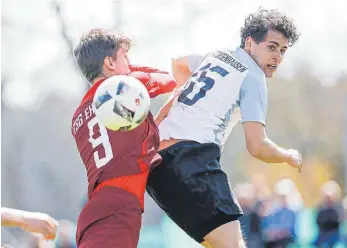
(194, 60)
(253, 100)
(156, 81)
(147, 69)
(160, 84)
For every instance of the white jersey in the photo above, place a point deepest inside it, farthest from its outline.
(208, 106)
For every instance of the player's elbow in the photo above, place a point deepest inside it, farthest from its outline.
(254, 145)
(181, 70)
(180, 63)
(255, 138)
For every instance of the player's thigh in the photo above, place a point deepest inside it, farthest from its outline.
(111, 218)
(227, 235)
(118, 230)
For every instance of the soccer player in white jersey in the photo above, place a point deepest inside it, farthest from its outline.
(224, 87)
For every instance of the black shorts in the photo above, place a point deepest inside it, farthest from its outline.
(191, 188)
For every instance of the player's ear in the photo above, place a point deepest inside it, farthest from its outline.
(109, 63)
(248, 43)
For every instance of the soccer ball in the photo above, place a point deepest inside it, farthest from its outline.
(121, 103)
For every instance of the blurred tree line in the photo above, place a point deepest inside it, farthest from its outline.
(307, 116)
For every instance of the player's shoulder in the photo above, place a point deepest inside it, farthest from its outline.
(230, 58)
(255, 77)
(88, 97)
(78, 110)
(254, 82)
(254, 72)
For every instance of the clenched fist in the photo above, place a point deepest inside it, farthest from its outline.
(295, 159)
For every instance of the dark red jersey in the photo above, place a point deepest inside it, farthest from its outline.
(108, 154)
(117, 164)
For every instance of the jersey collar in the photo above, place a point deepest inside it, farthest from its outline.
(248, 60)
(91, 91)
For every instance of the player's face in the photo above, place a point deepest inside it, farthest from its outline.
(122, 62)
(118, 64)
(269, 53)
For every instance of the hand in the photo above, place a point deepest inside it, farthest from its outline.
(295, 159)
(40, 223)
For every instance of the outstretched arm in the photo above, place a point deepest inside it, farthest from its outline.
(30, 221)
(156, 81)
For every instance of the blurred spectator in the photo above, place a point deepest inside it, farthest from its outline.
(278, 223)
(259, 185)
(250, 221)
(286, 187)
(330, 215)
(343, 231)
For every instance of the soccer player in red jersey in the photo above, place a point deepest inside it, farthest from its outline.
(117, 162)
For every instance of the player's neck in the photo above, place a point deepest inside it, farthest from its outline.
(97, 79)
(249, 53)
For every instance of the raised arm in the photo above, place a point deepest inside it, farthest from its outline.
(156, 81)
(182, 69)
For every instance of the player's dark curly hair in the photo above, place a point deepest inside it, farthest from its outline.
(94, 46)
(259, 23)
